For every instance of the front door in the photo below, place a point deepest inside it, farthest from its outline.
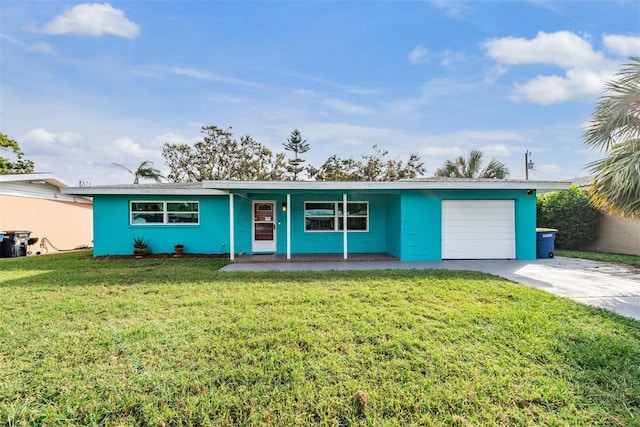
(264, 227)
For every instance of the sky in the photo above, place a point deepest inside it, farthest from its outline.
(86, 85)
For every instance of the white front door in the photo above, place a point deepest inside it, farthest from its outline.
(263, 230)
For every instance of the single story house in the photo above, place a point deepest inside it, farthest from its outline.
(35, 202)
(412, 220)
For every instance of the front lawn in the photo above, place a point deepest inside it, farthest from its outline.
(633, 260)
(176, 342)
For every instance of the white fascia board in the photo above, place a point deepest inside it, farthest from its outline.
(93, 191)
(389, 185)
(47, 177)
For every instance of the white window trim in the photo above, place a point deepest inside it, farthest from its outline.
(336, 216)
(164, 212)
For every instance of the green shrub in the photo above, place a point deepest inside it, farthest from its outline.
(572, 214)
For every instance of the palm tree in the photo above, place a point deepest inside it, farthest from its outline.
(144, 171)
(615, 129)
(471, 167)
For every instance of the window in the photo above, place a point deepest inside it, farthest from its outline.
(328, 216)
(143, 213)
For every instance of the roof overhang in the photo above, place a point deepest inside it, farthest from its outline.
(222, 188)
(147, 190)
(435, 184)
(35, 178)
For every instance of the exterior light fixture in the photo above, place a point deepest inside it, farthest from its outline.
(284, 206)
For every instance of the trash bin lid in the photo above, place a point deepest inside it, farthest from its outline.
(546, 230)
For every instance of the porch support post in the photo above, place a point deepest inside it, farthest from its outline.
(232, 243)
(344, 226)
(288, 226)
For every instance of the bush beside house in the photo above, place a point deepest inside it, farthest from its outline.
(572, 214)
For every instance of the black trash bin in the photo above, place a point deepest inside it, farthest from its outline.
(14, 243)
(545, 242)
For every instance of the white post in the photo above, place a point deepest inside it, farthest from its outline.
(232, 244)
(288, 226)
(344, 226)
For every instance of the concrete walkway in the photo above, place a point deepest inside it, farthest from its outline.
(600, 284)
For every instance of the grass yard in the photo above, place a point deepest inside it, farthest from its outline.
(633, 260)
(176, 342)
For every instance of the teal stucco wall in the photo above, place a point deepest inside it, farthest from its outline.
(421, 221)
(113, 234)
(405, 224)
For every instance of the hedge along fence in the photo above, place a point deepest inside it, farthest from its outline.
(572, 214)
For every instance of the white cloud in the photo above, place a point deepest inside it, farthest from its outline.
(128, 148)
(437, 151)
(496, 150)
(622, 45)
(449, 57)
(39, 136)
(345, 107)
(160, 140)
(474, 136)
(563, 49)
(419, 55)
(451, 8)
(576, 84)
(41, 47)
(206, 75)
(92, 19)
(41, 141)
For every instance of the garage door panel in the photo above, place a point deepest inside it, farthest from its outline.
(478, 229)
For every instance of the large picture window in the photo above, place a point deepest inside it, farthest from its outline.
(150, 213)
(328, 216)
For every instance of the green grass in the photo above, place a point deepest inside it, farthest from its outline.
(601, 256)
(176, 342)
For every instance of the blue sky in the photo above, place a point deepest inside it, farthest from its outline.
(83, 85)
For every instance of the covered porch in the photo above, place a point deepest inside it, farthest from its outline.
(315, 257)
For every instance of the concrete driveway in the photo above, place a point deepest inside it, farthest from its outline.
(599, 284)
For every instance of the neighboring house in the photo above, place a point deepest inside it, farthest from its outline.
(430, 219)
(34, 202)
(616, 235)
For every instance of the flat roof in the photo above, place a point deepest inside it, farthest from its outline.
(220, 188)
(415, 184)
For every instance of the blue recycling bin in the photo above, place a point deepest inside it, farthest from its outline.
(545, 242)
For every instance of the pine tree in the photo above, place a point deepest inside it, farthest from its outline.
(297, 146)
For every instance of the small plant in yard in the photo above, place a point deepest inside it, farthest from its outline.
(140, 241)
(140, 245)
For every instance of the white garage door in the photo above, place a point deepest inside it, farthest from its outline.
(478, 229)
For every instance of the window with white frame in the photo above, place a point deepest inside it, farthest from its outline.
(328, 216)
(173, 212)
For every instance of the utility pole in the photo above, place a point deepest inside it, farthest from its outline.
(528, 164)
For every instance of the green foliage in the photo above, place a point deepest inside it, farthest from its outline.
(297, 146)
(373, 167)
(572, 214)
(20, 165)
(633, 260)
(614, 128)
(218, 156)
(471, 167)
(176, 342)
(140, 241)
